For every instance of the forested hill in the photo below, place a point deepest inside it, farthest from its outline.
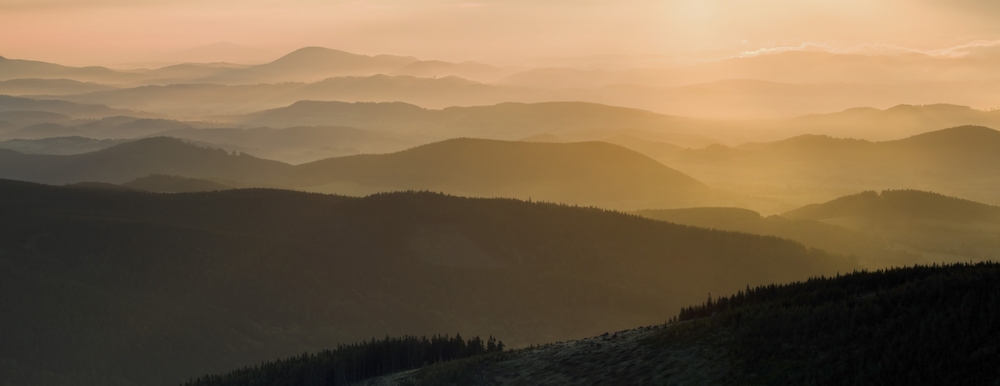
(914, 326)
(232, 278)
(904, 326)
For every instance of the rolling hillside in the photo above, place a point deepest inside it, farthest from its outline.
(74, 110)
(589, 173)
(227, 279)
(938, 228)
(300, 144)
(871, 250)
(502, 121)
(59, 145)
(34, 86)
(959, 161)
(131, 160)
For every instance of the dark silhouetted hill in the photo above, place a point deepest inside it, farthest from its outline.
(229, 279)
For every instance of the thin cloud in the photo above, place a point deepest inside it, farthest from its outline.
(959, 51)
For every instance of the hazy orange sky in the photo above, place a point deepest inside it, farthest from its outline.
(502, 32)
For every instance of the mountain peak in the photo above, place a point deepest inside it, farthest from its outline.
(320, 54)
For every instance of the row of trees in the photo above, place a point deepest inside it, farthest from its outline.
(355, 362)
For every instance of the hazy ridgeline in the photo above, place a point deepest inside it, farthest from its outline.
(761, 86)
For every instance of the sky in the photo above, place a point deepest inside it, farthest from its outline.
(78, 32)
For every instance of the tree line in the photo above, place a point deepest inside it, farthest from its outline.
(354, 362)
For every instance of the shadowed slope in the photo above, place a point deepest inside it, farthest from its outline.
(228, 279)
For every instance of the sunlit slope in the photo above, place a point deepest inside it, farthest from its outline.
(937, 227)
(587, 173)
(590, 173)
(960, 161)
(228, 279)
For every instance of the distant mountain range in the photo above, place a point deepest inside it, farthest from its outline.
(299, 144)
(761, 87)
(501, 121)
(317, 63)
(227, 279)
(728, 99)
(591, 173)
(75, 110)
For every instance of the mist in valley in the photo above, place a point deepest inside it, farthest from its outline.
(499, 193)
